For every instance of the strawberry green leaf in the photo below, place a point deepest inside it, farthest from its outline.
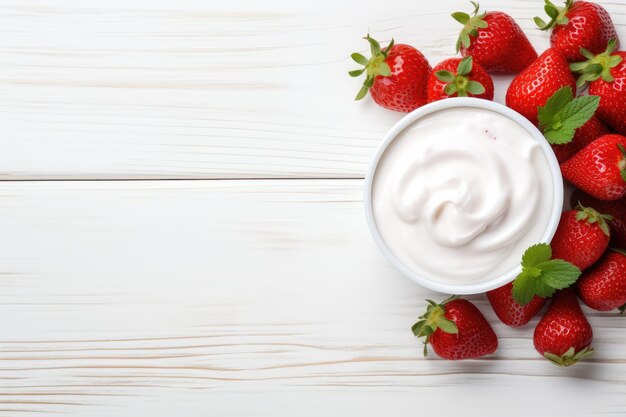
(598, 66)
(570, 357)
(622, 163)
(359, 59)
(475, 88)
(558, 274)
(372, 67)
(384, 69)
(471, 24)
(480, 24)
(465, 40)
(362, 93)
(374, 45)
(541, 24)
(433, 319)
(461, 17)
(448, 326)
(465, 66)
(586, 53)
(591, 216)
(445, 76)
(551, 11)
(536, 254)
(417, 327)
(450, 89)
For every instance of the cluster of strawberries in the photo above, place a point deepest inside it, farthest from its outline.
(587, 134)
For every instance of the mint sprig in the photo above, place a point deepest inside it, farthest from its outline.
(541, 275)
(563, 114)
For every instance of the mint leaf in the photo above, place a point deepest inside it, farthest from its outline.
(578, 112)
(524, 288)
(542, 276)
(536, 254)
(563, 114)
(542, 289)
(560, 137)
(558, 274)
(558, 101)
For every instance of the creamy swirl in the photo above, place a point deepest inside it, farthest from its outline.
(461, 193)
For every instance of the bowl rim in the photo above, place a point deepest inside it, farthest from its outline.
(456, 102)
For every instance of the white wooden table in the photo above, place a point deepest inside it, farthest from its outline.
(182, 227)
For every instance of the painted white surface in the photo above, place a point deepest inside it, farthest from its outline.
(227, 298)
(206, 89)
(242, 298)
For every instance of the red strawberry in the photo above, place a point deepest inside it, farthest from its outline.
(603, 287)
(584, 135)
(600, 168)
(606, 74)
(581, 237)
(456, 329)
(396, 76)
(510, 311)
(457, 77)
(495, 41)
(617, 209)
(580, 24)
(564, 335)
(537, 83)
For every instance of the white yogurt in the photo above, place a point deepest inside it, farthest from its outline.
(461, 193)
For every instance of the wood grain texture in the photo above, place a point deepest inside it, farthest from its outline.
(197, 89)
(238, 298)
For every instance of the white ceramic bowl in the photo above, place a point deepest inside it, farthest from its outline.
(557, 204)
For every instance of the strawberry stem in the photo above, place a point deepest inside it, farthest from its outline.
(558, 15)
(471, 24)
(597, 66)
(460, 83)
(434, 319)
(591, 216)
(570, 357)
(374, 67)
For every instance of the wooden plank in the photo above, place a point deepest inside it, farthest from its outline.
(193, 89)
(240, 298)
